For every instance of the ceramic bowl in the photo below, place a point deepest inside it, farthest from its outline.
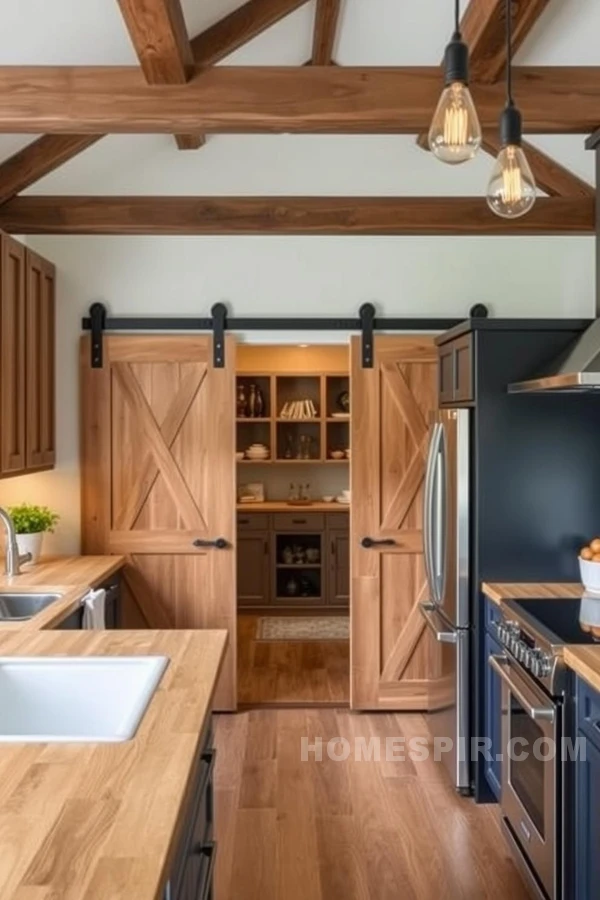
(590, 575)
(337, 454)
(328, 498)
(239, 455)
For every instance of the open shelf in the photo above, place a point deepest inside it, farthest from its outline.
(298, 566)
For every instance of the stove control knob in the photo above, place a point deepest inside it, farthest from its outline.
(521, 652)
(529, 658)
(513, 644)
(545, 665)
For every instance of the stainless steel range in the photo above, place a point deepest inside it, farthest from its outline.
(535, 713)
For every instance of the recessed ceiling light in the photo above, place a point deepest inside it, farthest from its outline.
(303, 345)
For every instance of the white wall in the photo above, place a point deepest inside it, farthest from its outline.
(288, 276)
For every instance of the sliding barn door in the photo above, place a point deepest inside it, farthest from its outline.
(158, 481)
(395, 663)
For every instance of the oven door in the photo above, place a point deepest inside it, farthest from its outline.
(530, 765)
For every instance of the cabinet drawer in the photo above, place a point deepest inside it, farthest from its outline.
(299, 521)
(588, 711)
(338, 521)
(253, 521)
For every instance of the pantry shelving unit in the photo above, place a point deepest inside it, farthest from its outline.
(305, 441)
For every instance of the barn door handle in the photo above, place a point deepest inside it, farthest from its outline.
(368, 542)
(218, 544)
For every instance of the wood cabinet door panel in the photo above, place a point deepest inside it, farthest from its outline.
(40, 365)
(339, 579)
(396, 663)
(12, 357)
(253, 568)
(158, 474)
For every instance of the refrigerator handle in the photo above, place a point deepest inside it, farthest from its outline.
(441, 525)
(437, 625)
(427, 509)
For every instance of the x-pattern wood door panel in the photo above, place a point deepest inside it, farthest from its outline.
(395, 662)
(159, 474)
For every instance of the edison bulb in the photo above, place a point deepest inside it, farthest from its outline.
(455, 133)
(511, 189)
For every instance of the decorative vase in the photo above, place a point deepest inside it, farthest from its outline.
(31, 543)
(259, 406)
(241, 402)
(252, 402)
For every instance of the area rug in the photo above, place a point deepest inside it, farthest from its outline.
(303, 628)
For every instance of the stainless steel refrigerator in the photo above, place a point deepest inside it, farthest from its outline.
(446, 610)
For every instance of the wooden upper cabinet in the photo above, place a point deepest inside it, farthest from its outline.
(456, 361)
(12, 357)
(40, 368)
(27, 370)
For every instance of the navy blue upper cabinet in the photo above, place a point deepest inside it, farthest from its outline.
(493, 717)
(587, 800)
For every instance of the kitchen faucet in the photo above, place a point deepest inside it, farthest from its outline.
(13, 558)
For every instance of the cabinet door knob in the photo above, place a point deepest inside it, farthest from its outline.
(218, 543)
(368, 542)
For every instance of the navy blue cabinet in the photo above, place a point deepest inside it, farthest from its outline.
(587, 796)
(191, 875)
(493, 717)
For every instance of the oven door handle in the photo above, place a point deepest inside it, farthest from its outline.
(500, 664)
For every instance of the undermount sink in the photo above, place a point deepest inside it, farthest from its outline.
(89, 699)
(19, 607)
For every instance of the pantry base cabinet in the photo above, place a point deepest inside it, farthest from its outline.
(293, 560)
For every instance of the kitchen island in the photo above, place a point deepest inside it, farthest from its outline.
(108, 821)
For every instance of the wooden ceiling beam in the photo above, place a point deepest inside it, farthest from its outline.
(268, 99)
(550, 176)
(159, 35)
(239, 27)
(38, 159)
(483, 27)
(327, 13)
(289, 215)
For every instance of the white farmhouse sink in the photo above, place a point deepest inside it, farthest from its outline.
(90, 698)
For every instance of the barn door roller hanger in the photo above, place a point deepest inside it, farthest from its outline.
(367, 323)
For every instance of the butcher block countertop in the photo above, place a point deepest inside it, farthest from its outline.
(584, 660)
(102, 821)
(70, 576)
(282, 506)
(531, 590)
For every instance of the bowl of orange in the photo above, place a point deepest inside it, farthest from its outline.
(589, 566)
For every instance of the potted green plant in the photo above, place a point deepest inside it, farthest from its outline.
(31, 523)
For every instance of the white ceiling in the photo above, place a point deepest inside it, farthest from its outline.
(371, 32)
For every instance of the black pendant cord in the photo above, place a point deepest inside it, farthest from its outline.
(509, 94)
(457, 19)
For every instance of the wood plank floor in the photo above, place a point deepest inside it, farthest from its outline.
(366, 830)
(290, 672)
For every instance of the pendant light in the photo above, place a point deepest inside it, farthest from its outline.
(455, 133)
(511, 188)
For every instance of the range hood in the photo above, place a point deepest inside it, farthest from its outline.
(578, 369)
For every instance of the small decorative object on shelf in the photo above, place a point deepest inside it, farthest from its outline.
(259, 403)
(287, 556)
(31, 523)
(289, 446)
(252, 402)
(241, 402)
(299, 496)
(298, 410)
(343, 402)
(292, 587)
(258, 452)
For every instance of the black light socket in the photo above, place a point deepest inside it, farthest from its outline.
(511, 126)
(456, 60)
